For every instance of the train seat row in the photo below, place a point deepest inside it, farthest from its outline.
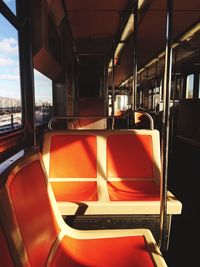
(110, 172)
(33, 233)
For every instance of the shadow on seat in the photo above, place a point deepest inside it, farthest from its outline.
(38, 236)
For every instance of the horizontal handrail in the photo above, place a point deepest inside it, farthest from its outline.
(149, 117)
(100, 117)
(86, 117)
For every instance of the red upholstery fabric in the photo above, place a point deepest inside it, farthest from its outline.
(129, 156)
(109, 252)
(73, 156)
(33, 211)
(75, 191)
(133, 191)
(5, 258)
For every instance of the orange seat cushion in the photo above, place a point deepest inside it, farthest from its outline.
(112, 252)
(75, 191)
(133, 191)
(129, 156)
(73, 156)
(33, 211)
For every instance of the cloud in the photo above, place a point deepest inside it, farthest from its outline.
(8, 46)
(9, 77)
(4, 62)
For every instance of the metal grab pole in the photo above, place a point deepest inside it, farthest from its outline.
(173, 106)
(163, 242)
(156, 84)
(135, 34)
(113, 90)
(106, 98)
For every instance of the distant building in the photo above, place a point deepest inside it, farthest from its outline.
(9, 102)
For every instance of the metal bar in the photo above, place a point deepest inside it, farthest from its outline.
(156, 84)
(113, 84)
(125, 19)
(113, 89)
(106, 101)
(100, 117)
(173, 105)
(135, 34)
(165, 123)
(175, 79)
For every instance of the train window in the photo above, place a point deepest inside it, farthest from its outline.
(43, 98)
(10, 88)
(11, 4)
(121, 104)
(190, 86)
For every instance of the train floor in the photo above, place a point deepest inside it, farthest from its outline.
(183, 182)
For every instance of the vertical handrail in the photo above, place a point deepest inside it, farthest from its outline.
(156, 84)
(173, 106)
(135, 34)
(165, 124)
(106, 98)
(113, 90)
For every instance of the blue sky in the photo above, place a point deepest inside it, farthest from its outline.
(9, 64)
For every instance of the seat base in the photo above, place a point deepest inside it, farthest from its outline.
(103, 252)
(97, 222)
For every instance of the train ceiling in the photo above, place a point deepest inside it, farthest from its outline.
(151, 37)
(95, 24)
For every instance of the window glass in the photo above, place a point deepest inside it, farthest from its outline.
(11, 4)
(43, 98)
(10, 88)
(190, 86)
(121, 104)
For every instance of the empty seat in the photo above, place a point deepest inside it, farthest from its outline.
(110, 172)
(130, 158)
(73, 156)
(40, 238)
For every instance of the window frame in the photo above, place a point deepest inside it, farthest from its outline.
(15, 22)
(186, 85)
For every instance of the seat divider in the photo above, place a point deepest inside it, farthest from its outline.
(103, 195)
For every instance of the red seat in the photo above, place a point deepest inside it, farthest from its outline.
(133, 191)
(41, 238)
(111, 252)
(73, 156)
(129, 156)
(75, 191)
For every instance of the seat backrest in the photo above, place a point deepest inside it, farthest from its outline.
(73, 156)
(131, 155)
(5, 257)
(30, 215)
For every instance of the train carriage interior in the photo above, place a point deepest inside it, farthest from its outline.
(99, 133)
